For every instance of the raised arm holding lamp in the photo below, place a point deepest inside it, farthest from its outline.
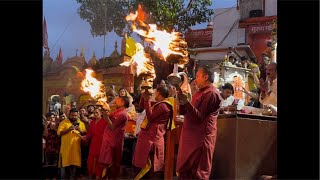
(149, 150)
(113, 138)
(199, 130)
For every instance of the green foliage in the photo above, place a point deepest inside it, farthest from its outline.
(107, 15)
(177, 14)
(104, 15)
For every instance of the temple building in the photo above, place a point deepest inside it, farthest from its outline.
(64, 78)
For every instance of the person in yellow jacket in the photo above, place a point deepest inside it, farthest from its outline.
(251, 64)
(70, 131)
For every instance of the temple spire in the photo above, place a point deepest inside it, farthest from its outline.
(82, 52)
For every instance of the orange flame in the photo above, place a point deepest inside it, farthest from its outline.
(142, 62)
(164, 43)
(95, 88)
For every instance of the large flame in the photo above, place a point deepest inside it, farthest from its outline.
(164, 43)
(142, 62)
(95, 88)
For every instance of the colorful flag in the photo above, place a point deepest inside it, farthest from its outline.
(45, 34)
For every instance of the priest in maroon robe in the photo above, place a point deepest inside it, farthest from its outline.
(113, 137)
(150, 143)
(199, 130)
(95, 134)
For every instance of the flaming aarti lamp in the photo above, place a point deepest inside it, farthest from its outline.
(146, 82)
(96, 89)
(179, 57)
(175, 78)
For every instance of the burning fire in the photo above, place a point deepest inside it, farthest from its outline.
(142, 62)
(164, 43)
(95, 88)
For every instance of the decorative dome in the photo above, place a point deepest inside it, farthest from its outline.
(56, 64)
(75, 61)
(115, 53)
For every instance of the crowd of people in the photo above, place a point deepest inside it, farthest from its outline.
(91, 142)
(262, 84)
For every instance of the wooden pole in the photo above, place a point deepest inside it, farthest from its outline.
(169, 154)
(169, 147)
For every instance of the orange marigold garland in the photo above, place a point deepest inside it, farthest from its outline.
(248, 97)
(237, 85)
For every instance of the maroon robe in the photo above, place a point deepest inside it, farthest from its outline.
(152, 138)
(95, 133)
(112, 142)
(52, 147)
(198, 135)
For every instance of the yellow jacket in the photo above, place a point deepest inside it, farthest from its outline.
(70, 151)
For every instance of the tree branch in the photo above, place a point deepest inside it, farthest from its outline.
(187, 9)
